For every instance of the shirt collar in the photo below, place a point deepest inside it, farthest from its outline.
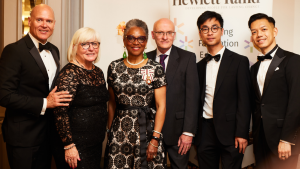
(221, 52)
(159, 53)
(35, 41)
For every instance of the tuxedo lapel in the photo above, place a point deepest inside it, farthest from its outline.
(36, 55)
(225, 64)
(56, 59)
(256, 87)
(278, 58)
(202, 81)
(172, 65)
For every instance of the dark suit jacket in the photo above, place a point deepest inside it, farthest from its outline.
(279, 105)
(23, 85)
(182, 94)
(232, 103)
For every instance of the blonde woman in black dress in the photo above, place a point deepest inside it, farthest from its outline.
(81, 126)
(137, 105)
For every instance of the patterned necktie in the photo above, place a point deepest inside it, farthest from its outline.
(162, 60)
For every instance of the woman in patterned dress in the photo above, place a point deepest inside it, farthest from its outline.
(137, 105)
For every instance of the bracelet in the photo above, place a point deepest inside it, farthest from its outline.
(153, 144)
(155, 138)
(107, 130)
(67, 148)
(157, 132)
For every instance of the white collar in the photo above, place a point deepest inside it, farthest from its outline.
(221, 52)
(167, 53)
(35, 41)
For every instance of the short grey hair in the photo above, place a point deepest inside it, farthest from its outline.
(137, 23)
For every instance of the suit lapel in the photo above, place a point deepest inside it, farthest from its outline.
(172, 65)
(278, 58)
(202, 77)
(36, 55)
(256, 87)
(56, 59)
(152, 55)
(225, 64)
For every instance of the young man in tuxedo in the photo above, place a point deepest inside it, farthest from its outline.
(182, 93)
(276, 84)
(28, 69)
(224, 115)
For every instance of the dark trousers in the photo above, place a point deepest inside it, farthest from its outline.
(266, 159)
(178, 161)
(37, 157)
(210, 150)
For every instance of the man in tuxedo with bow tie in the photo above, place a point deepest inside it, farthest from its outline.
(28, 69)
(182, 93)
(225, 104)
(276, 84)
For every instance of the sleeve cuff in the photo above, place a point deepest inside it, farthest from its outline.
(188, 134)
(287, 142)
(44, 107)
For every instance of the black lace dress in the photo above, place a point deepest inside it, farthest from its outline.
(133, 122)
(84, 121)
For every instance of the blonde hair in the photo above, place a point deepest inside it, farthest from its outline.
(80, 36)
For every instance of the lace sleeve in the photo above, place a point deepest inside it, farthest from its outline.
(159, 77)
(67, 81)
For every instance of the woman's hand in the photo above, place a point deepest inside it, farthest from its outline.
(71, 156)
(151, 150)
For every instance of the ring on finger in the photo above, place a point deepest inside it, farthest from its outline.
(154, 156)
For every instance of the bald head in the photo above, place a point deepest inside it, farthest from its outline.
(41, 7)
(163, 22)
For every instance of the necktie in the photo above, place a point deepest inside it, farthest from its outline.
(42, 47)
(162, 60)
(209, 57)
(262, 58)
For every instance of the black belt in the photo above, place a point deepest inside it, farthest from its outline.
(144, 116)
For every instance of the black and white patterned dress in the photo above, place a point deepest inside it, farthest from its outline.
(132, 127)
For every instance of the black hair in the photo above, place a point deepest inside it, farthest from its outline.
(209, 15)
(260, 16)
(138, 23)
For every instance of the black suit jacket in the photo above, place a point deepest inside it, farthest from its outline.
(23, 85)
(279, 105)
(232, 103)
(182, 94)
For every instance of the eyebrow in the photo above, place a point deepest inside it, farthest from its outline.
(259, 27)
(211, 26)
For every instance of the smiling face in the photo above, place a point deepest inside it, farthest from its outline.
(163, 42)
(41, 22)
(86, 55)
(263, 35)
(135, 48)
(210, 38)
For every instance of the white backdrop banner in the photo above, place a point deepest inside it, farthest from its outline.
(236, 13)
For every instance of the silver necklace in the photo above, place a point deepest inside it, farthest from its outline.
(136, 63)
(83, 66)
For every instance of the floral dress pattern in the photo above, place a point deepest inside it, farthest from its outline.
(133, 87)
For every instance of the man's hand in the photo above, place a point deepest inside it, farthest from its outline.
(241, 143)
(55, 99)
(284, 150)
(184, 144)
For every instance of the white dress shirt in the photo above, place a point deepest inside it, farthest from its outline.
(50, 65)
(212, 69)
(262, 71)
(157, 59)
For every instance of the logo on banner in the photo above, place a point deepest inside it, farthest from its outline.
(185, 42)
(248, 46)
(147, 75)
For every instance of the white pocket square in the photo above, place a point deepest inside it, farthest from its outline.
(277, 69)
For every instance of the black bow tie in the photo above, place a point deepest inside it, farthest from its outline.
(209, 57)
(42, 47)
(262, 58)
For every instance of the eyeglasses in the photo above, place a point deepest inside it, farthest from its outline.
(214, 29)
(140, 39)
(160, 34)
(86, 45)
